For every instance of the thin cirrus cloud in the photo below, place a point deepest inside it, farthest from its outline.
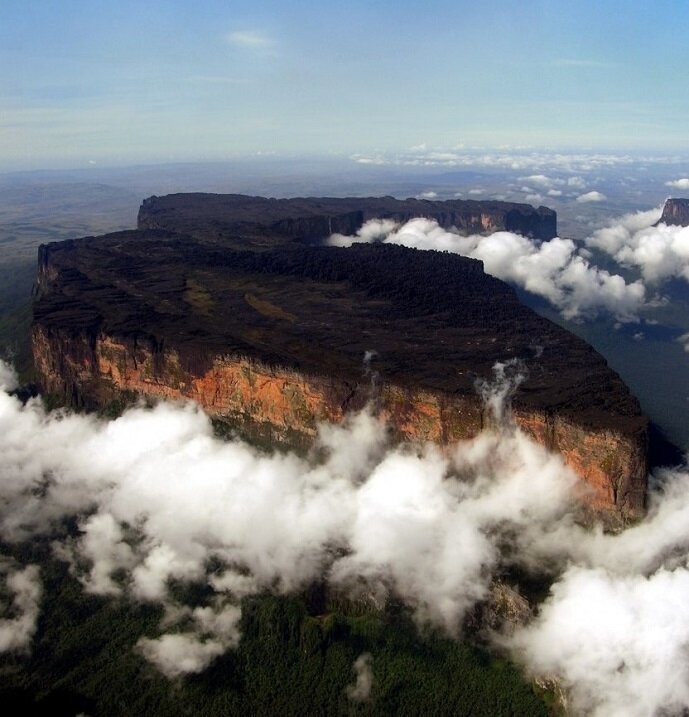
(250, 39)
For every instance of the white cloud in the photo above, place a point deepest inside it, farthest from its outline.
(552, 269)
(360, 691)
(8, 377)
(659, 252)
(618, 642)
(522, 161)
(428, 195)
(619, 612)
(102, 544)
(541, 180)
(679, 183)
(554, 192)
(559, 270)
(24, 587)
(591, 197)
(180, 653)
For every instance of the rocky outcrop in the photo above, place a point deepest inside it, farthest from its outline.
(675, 212)
(270, 221)
(272, 342)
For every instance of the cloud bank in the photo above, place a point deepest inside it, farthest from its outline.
(559, 270)
(554, 270)
(509, 158)
(658, 252)
(615, 628)
(157, 496)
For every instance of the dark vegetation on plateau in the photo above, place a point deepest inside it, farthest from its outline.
(436, 320)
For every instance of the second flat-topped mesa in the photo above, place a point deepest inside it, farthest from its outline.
(675, 212)
(274, 221)
(272, 341)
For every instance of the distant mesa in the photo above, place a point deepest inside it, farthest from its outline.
(675, 212)
(274, 221)
(230, 301)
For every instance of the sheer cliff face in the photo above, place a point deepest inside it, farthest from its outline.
(273, 341)
(209, 216)
(675, 212)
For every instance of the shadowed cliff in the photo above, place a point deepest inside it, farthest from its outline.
(271, 221)
(675, 212)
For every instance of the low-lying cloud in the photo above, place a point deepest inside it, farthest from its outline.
(684, 340)
(23, 585)
(658, 251)
(560, 270)
(682, 183)
(157, 496)
(554, 270)
(515, 158)
(615, 628)
(360, 691)
(591, 197)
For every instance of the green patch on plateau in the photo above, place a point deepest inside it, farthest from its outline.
(266, 308)
(198, 297)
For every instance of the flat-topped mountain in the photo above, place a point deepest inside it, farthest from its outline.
(270, 221)
(273, 341)
(675, 212)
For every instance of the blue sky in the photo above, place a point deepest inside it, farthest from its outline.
(123, 82)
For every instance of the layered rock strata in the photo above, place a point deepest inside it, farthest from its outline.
(272, 342)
